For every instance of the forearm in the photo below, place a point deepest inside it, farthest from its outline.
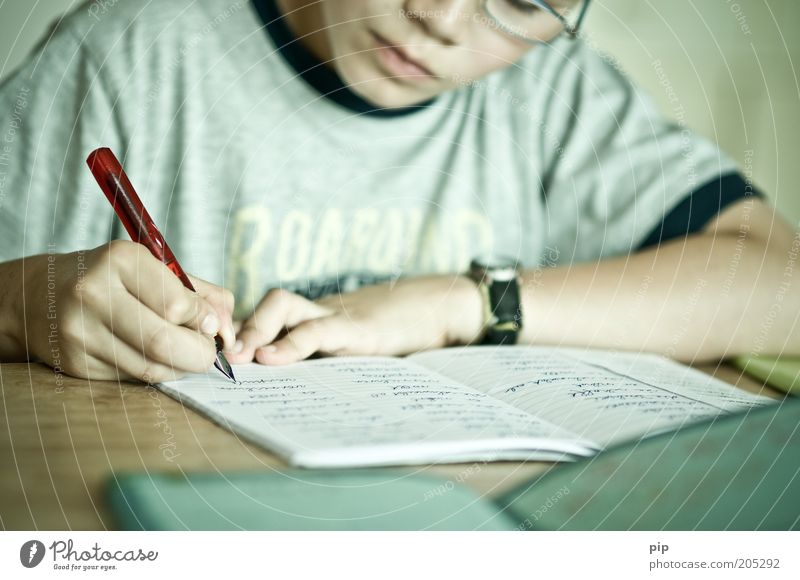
(695, 299)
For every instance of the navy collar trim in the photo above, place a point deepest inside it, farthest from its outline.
(316, 73)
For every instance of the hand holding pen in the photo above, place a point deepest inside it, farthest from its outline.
(116, 313)
(175, 307)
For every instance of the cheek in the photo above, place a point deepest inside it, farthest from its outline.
(345, 25)
(479, 59)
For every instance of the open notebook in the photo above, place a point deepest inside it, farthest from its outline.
(457, 404)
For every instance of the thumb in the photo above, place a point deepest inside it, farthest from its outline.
(279, 310)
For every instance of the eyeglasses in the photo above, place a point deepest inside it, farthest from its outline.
(537, 21)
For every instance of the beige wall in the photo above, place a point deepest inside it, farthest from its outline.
(728, 67)
(724, 67)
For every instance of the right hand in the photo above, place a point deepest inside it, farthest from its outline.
(116, 312)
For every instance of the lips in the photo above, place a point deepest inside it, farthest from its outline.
(398, 61)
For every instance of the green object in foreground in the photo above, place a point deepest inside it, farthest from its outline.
(365, 499)
(782, 373)
(739, 472)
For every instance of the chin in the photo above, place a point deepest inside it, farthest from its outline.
(379, 90)
(387, 94)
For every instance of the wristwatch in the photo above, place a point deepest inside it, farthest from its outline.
(498, 281)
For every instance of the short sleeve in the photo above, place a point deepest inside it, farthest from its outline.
(699, 207)
(54, 110)
(613, 165)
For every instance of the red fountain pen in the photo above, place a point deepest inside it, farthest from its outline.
(115, 184)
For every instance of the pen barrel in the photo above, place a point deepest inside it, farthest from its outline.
(116, 186)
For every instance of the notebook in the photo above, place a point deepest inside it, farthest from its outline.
(733, 472)
(457, 404)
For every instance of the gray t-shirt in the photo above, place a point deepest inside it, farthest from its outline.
(258, 180)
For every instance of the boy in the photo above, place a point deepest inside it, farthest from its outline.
(338, 165)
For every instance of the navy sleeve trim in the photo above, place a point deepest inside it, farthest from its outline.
(700, 207)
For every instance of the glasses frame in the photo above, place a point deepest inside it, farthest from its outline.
(571, 31)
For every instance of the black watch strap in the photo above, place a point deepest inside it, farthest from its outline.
(504, 302)
(499, 285)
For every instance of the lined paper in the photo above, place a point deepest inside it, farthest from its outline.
(457, 404)
(367, 410)
(602, 396)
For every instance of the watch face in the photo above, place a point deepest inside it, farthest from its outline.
(503, 274)
(499, 269)
(495, 262)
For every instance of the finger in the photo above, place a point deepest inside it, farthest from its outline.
(329, 334)
(123, 362)
(114, 361)
(156, 340)
(153, 284)
(81, 357)
(222, 300)
(220, 297)
(277, 310)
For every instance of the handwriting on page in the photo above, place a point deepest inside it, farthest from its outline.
(339, 402)
(596, 402)
(663, 373)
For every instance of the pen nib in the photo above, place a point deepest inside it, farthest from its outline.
(222, 364)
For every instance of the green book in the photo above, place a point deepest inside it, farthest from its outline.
(737, 472)
(781, 373)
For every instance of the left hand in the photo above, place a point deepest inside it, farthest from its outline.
(387, 319)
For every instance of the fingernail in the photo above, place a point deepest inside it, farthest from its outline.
(210, 325)
(270, 348)
(238, 346)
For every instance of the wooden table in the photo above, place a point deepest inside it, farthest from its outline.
(61, 438)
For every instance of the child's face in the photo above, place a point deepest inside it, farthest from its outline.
(452, 40)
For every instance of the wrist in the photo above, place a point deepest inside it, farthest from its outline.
(16, 276)
(467, 320)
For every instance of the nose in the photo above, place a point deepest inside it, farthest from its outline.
(444, 20)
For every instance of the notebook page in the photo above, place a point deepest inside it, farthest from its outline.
(362, 411)
(662, 372)
(602, 396)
